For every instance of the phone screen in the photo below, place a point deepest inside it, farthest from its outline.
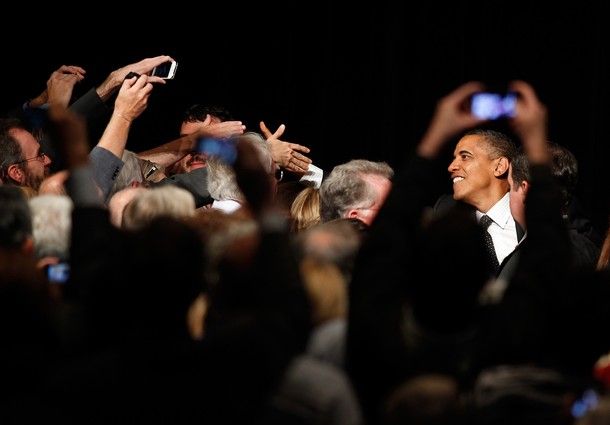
(166, 70)
(493, 106)
(58, 273)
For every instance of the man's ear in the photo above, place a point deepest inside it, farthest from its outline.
(27, 247)
(525, 186)
(15, 173)
(502, 166)
(352, 214)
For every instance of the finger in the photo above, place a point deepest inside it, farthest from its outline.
(300, 148)
(76, 69)
(147, 88)
(301, 164)
(156, 80)
(207, 120)
(265, 130)
(523, 88)
(295, 168)
(141, 81)
(467, 89)
(278, 133)
(301, 157)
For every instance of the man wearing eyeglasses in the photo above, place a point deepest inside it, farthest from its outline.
(22, 163)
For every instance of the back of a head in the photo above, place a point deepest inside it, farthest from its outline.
(164, 201)
(15, 218)
(564, 168)
(131, 172)
(305, 210)
(451, 262)
(344, 188)
(424, 400)
(51, 222)
(335, 242)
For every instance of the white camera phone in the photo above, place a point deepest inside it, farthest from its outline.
(167, 70)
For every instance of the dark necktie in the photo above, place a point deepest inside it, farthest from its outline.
(485, 222)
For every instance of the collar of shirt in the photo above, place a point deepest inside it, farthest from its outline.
(228, 206)
(499, 213)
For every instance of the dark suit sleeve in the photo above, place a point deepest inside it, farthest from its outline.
(89, 105)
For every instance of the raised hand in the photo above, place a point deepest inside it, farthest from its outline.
(145, 66)
(451, 117)
(220, 130)
(285, 154)
(133, 97)
(530, 121)
(59, 86)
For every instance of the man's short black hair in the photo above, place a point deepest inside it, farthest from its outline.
(198, 113)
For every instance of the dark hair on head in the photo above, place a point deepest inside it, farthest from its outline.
(498, 144)
(198, 113)
(10, 150)
(564, 168)
(520, 168)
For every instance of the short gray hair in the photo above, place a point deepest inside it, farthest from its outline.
(164, 201)
(51, 223)
(344, 188)
(222, 184)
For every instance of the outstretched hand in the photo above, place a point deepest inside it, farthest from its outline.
(220, 130)
(116, 77)
(450, 118)
(285, 154)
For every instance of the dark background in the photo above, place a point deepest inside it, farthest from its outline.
(348, 82)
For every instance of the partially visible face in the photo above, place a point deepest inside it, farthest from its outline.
(381, 187)
(472, 171)
(191, 161)
(35, 169)
(517, 199)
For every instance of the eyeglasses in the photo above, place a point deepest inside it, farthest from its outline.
(279, 175)
(39, 157)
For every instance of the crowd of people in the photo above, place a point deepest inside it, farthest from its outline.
(221, 278)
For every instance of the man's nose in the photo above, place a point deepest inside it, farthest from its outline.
(453, 166)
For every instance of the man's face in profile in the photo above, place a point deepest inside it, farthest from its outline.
(472, 170)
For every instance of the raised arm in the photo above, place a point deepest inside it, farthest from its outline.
(171, 152)
(59, 86)
(116, 77)
(130, 103)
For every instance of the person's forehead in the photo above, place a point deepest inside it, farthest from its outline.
(25, 139)
(474, 144)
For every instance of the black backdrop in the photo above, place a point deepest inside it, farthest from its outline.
(348, 82)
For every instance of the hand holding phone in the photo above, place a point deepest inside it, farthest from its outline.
(493, 106)
(167, 70)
